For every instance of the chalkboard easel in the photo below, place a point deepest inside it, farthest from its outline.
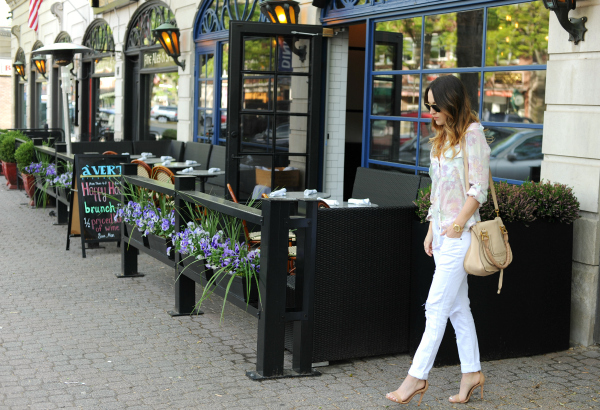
(93, 203)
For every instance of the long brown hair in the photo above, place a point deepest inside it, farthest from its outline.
(451, 96)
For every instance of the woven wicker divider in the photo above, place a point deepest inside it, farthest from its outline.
(362, 284)
(386, 188)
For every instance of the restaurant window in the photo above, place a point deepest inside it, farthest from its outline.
(503, 69)
(151, 106)
(211, 33)
(98, 89)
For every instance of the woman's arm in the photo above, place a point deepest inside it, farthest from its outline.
(471, 205)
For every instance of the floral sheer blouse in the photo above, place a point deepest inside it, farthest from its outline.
(448, 185)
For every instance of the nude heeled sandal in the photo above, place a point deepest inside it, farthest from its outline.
(397, 399)
(479, 384)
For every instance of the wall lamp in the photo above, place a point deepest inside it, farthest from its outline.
(40, 65)
(20, 67)
(574, 26)
(284, 12)
(167, 35)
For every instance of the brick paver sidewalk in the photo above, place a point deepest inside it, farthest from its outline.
(72, 335)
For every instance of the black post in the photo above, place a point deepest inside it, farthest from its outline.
(185, 287)
(129, 254)
(306, 245)
(272, 284)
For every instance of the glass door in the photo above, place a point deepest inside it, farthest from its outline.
(274, 107)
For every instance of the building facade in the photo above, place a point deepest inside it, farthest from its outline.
(322, 106)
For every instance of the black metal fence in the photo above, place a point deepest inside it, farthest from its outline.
(275, 218)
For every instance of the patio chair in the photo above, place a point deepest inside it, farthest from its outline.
(163, 174)
(143, 169)
(109, 153)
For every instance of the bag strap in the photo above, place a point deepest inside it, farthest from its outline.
(463, 146)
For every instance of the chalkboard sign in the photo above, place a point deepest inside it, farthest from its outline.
(97, 181)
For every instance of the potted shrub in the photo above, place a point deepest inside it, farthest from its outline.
(2, 134)
(9, 165)
(532, 313)
(23, 157)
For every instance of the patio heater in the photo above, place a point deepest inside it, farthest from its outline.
(62, 54)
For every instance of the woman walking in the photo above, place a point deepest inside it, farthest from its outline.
(453, 211)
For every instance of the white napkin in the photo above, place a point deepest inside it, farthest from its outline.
(124, 153)
(213, 170)
(308, 192)
(166, 158)
(278, 192)
(187, 170)
(289, 168)
(330, 202)
(190, 162)
(355, 201)
(167, 162)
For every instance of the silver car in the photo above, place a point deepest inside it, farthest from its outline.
(513, 157)
(163, 113)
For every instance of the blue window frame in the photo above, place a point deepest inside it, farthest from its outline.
(211, 34)
(485, 46)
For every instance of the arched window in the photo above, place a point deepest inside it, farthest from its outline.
(151, 77)
(211, 34)
(98, 86)
(63, 37)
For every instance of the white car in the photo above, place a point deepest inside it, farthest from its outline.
(163, 113)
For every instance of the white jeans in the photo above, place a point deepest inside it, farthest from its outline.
(448, 298)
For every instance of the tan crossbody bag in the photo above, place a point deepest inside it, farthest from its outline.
(489, 251)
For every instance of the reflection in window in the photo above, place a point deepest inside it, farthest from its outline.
(164, 101)
(42, 115)
(105, 108)
(396, 141)
(453, 40)
(206, 97)
(398, 45)
(514, 96)
(515, 151)
(396, 95)
(470, 80)
(517, 34)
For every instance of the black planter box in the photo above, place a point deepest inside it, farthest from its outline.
(194, 267)
(160, 244)
(63, 193)
(133, 233)
(531, 315)
(239, 288)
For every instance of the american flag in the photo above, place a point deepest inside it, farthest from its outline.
(34, 6)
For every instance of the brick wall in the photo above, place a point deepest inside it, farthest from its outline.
(336, 116)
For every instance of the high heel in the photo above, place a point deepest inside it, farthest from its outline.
(480, 384)
(396, 398)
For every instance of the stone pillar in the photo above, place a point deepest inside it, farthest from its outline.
(335, 128)
(572, 155)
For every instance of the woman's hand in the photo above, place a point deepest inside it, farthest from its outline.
(428, 243)
(451, 233)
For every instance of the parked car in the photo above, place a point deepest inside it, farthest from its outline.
(513, 157)
(282, 136)
(163, 113)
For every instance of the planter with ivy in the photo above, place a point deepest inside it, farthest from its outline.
(532, 313)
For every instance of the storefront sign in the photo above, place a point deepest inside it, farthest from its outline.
(105, 66)
(285, 57)
(157, 59)
(5, 67)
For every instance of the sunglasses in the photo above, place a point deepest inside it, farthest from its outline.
(435, 107)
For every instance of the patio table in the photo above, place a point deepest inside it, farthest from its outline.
(202, 175)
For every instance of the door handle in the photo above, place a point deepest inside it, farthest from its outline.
(233, 134)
